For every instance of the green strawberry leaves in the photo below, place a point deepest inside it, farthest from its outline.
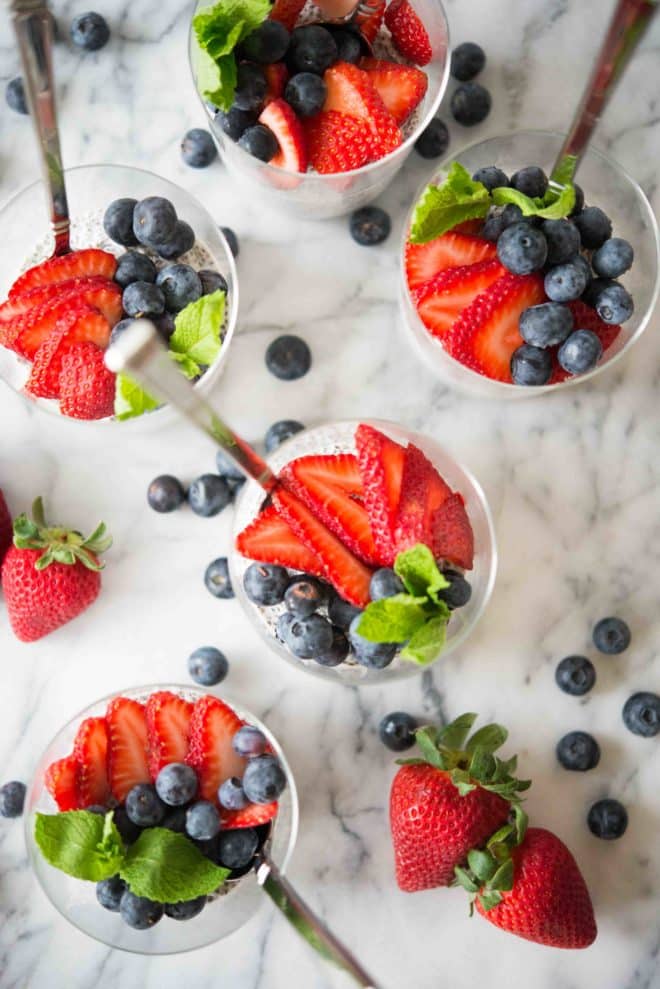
(59, 545)
(490, 870)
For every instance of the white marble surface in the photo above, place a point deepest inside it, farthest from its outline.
(573, 482)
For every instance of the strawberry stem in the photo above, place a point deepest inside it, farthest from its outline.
(59, 545)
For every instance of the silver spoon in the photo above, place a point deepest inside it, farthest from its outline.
(33, 26)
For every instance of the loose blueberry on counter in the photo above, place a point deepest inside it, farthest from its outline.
(144, 807)
(459, 591)
(118, 222)
(531, 366)
(641, 714)
(181, 241)
(337, 652)
(143, 299)
(492, 177)
(595, 226)
(263, 779)
(341, 612)
(134, 267)
(545, 325)
(186, 909)
(614, 304)
(176, 784)
(154, 220)
(385, 584)
(467, 61)
(397, 731)
(230, 794)
(235, 122)
(613, 258)
(251, 87)
(265, 583)
(12, 798)
(308, 637)
(15, 96)
(260, 142)
(227, 468)
(237, 847)
(217, 580)
(288, 357)
(522, 248)
(198, 148)
(128, 831)
(370, 226)
(267, 44)
(304, 596)
(373, 655)
(580, 352)
(611, 636)
(212, 281)
(202, 821)
(279, 432)
(434, 140)
(232, 240)
(89, 31)
(165, 493)
(349, 43)
(578, 751)
(575, 675)
(180, 285)
(563, 240)
(470, 104)
(109, 892)
(565, 282)
(208, 666)
(607, 819)
(139, 912)
(175, 820)
(313, 49)
(249, 742)
(306, 93)
(208, 495)
(531, 181)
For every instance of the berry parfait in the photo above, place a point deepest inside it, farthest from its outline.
(315, 110)
(514, 285)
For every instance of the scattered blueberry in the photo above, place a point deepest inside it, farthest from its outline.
(434, 140)
(128, 831)
(337, 652)
(198, 147)
(181, 241)
(232, 240)
(306, 93)
(208, 495)
(374, 655)
(308, 637)
(341, 612)
(565, 282)
(237, 847)
(186, 909)
(227, 468)
(470, 104)
(118, 222)
(370, 226)
(385, 584)
(251, 88)
(578, 751)
(641, 714)
(175, 820)
(279, 432)
(304, 596)
(614, 304)
(397, 731)
(154, 220)
(522, 248)
(563, 240)
(176, 784)
(611, 636)
(230, 794)
(143, 806)
(531, 366)
(90, 31)
(143, 299)
(165, 493)
(15, 96)
(212, 281)
(580, 352)
(249, 742)
(531, 181)
(607, 819)
(594, 226)
(260, 142)
(208, 666)
(217, 580)
(613, 258)
(575, 675)
(202, 821)
(349, 44)
(265, 583)
(268, 43)
(180, 285)
(12, 799)
(288, 357)
(459, 591)
(313, 49)
(492, 177)
(139, 912)
(235, 122)
(546, 325)
(109, 892)
(263, 779)
(467, 61)
(134, 267)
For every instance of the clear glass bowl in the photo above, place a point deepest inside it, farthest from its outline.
(90, 189)
(76, 900)
(310, 195)
(605, 184)
(338, 437)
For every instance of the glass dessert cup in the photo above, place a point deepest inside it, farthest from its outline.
(338, 437)
(75, 899)
(90, 189)
(310, 195)
(605, 184)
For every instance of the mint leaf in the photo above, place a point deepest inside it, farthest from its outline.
(393, 619)
(130, 399)
(189, 367)
(564, 172)
(218, 31)
(165, 866)
(197, 329)
(419, 572)
(427, 642)
(561, 207)
(82, 844)
(442, 207)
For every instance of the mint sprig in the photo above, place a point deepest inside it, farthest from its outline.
(82, 844)
(218, 31)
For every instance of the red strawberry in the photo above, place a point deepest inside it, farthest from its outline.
(75, 324)
(451, 250)
(350, 91)
(346, 573)
(441, 301)
(277, 76)
(549, 902)
(269, 539)
(283, 122)
(87, 388)
(400, 87)
(586, 318)
(52, 292)
(369, 25)
(60, 780)
(381, 467)
(90, 750)
(337, 142)
(77, 264)
(452, 536)
(128, 762)
(68, 581)
(486, 335)
(250, 817)
(408, 33)
(6, 528)
(168, 728)
(210, 753)
(286, 12)
(422, 493)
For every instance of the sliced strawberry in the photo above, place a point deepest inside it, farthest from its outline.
(337, 142)
(586, 318)
(451, 250)
(76, 324)
(369, 26)
(442, 300)
(286, 12)
(381, 467)
(90, 750)
(346, 573)
(6, 528)
(52, 292)
(408, 33)
(472, 228)
(128, 762)
(77, 264)
(400, 87)
(61, 782)
(249, 817)
(350, 91)
(212, 726)
(277, 76)
(168, 729)
(422, 493)
(283, 122)
(486, 335)
(27, 332)
(270, 540)
(453, 539)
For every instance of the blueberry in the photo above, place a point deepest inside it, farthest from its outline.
(397, 731)
(284, 623)
(370, 226)
(181, 241)
(97, 809)
(531, 366)
(268, 43)
(374, 655)
(341, 612)
(522, 249)
(467, 61)
(109, 893)
(154, 220)
(118, 222)
(607, 819)
(337, 652)
(176, 784)
(212, 281)
(565, 282)
(232, 240)
(288, 357)
(143, 299)
(613, 258)
(202, 821)
(434, 140)
(385, 584)
(611, 636)
(306, 93)
(494, 223)
(492, 177)
(641, 714)
(579, 200)
(230, 794)
(134, 267)
(279, 432)
(575, 675)
(531, 181)
(594, 289)
(139, 912)
(175, 820)
(208, 666)
(614, 304)
(470, 104)
(250, 89)
(89, 31)
(227, 468)
(313, 49)
(208, 847)
(144, 807)
(578, 751)
(546, 325)
(580, 352)
(260, 142)
(208, 495)
(309, 637)
(265, 583)
(237, 847)
(165, 493)
(349, 44)
(128, 831)
(249, 742)
(217, 580)
(198, 148)
(12, 799)
(581, 262)
(165, 325)
(594, 226)
(186, 909)
(180, 285)
(15, 96)
(235, 122)
(563, 240)
(459, 591)
(304, 596)
(263, 779)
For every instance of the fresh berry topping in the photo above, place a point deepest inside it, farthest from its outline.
(61, 780)
(77, 264)
(586, 318)
(575, 675)
(288, 357)
(90, 750)
(265, 583)
(306, 637)
(470, 104)
(453, 539)
(217, 579)
(531, 181)
(180, 242)
(176, 783)
(248, 817)
(338, 651)
(209, 494)
(118, 221)
(459, 591)
(87, 388)
(249, 741)
(641, 714)
(180, 285)
(563, 240)
(422, 493)
(89, 31)
(15, 96)
(185, 909)
(279, 432)
(372, 655)
(139, 912)
(397, 731)
(251, 87)
(369, 23)
(611, 636)
(434, 140)
(522, 249)
(613, 258)
(385, 584)
(578, 751)
(237, 847)
(546, 325)
(337, 142)
(79, 322)
(451, 250)
(134, 267)
(154, 220)
(594, 226)
(208, 666)
(565, 282)
(580, 352)
(212, 281)
(212, 727)
(128, 762)
(607, 819)
(349, 41)
(286, 12)
(284, 124)
(313, 49)
(144, 807)
(531, 366)
(492, 177)
(231, 795)
(168, 728)
(408, 33)
(380, 462)
(401, 87)
(614, 304)
(445, 300)
(143, 299)
(109, 892)
(269, 539)
(268, 43)
(277, 76)
(306, 93)
(29, 330)
(370, 226)
(264, 779)
(260, 142)
(304, 596)
(12, 798)
(341, 613)
(467, 61)
(351, 92)
(165, 493)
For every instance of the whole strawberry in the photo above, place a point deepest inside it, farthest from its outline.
(6, 528)
(449, 801)
(50, 575)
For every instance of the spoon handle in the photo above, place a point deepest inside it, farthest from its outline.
(629, 22)
(33, 26)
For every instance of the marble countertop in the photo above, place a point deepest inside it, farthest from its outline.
(572, 479)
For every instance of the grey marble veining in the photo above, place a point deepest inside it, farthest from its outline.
(572, 479)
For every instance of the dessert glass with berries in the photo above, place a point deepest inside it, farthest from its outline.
(315, 112)
(141, 246)
(147, 812)
(509, 290)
